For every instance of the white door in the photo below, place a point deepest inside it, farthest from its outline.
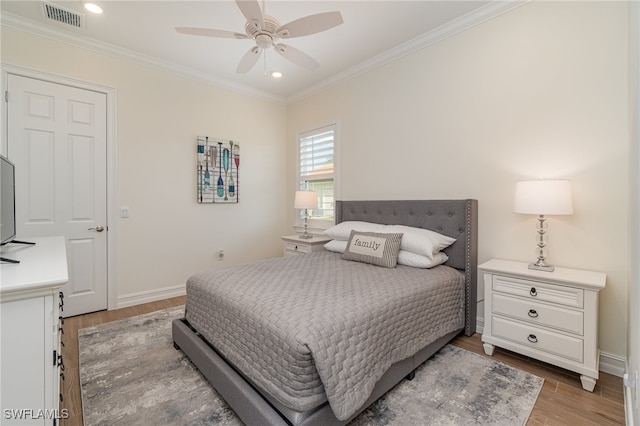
(57, 140)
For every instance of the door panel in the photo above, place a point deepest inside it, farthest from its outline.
(37, 169)
(57, 139)
(82, 182)
(81, 253)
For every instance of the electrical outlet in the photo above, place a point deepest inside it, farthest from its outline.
(221, 254)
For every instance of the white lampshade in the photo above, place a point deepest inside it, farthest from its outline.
(306, 200)
(546, 197)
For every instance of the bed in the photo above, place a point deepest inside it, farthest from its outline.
(258, 341)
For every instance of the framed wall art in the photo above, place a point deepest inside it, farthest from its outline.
(217, 168)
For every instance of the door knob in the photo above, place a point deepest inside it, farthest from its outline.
(98, 228)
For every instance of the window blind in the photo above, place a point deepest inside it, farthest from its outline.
(316, 155)
(316, 151)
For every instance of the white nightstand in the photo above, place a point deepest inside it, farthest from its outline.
(293, 244)
(550, 316)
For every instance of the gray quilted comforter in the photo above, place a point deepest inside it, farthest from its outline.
(311, 328)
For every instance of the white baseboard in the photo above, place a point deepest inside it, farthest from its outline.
(609, 363)
(150, 296)
(479, 325)
(612, 364)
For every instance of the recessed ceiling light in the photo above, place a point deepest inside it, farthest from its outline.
(93, 8)
(276, 74)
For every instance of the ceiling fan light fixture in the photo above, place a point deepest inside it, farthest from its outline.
(264, 41)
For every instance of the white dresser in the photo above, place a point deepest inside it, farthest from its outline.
(550, 316)
(31, 364)
(293, 244)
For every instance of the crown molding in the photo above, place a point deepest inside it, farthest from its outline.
(14, 21)
(471, 19)
(463, 23)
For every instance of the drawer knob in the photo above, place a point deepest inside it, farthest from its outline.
(296, 247)
(533, 292)
(533, 313)
(532, 338)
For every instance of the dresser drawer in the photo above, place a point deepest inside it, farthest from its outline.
(537, 338)
(294, 248)
(539, 313)
(535, 290)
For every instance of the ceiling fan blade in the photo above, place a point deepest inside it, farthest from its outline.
(209, 32)
(248, 60)
(251, 10)
(296, 56)
(310, 25)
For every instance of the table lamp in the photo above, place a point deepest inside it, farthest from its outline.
(306, 200)
(543, 197)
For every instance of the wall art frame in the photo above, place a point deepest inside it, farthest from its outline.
(217, 171)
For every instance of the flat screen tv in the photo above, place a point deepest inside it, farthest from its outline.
(7, 201)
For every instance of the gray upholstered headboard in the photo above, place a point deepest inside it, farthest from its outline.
(454, 218)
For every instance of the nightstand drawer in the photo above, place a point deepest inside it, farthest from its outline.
(295, 244)
(536, 290)
(539, 313)
(295, 248)
(539, 339)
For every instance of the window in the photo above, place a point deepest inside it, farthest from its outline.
(316, 171)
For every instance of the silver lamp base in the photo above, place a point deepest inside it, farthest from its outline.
(306, 235)
(540, 264)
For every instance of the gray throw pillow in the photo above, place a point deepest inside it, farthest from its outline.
(374, 248)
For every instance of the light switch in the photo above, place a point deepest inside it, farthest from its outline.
(124, 211)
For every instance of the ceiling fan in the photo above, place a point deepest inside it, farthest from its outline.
(267, 32)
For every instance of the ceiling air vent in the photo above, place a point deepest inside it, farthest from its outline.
(63, 16)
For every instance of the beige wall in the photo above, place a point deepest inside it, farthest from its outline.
(159, 114)
(537, 92)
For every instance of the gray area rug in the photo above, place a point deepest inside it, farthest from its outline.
(130, 374)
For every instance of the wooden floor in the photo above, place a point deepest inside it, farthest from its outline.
(561, 401)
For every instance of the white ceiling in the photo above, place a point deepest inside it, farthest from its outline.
(373, 33)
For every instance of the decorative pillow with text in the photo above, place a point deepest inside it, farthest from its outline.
(374, 248)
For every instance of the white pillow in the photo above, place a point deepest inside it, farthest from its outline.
(342, 231)
(420, 241)
(415, 240)
(404, 257)
(336, 246)
(418, 261)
